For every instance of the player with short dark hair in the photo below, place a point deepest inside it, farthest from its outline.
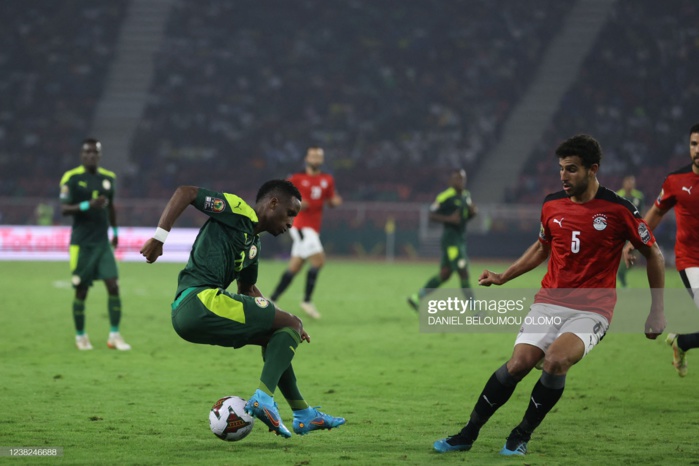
(227, 248)
(454, 209)
(318, 190)
(583, 230)
(87, 194)
(680, 191)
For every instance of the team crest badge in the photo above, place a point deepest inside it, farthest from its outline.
(252, 252)
(643, 233)
(599, 222)
(262, 302)
(214, 204)
(107, 185)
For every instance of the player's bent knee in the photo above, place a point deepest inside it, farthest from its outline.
(557, 363)
(283, 319)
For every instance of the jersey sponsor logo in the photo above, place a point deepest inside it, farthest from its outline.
(214, 204)
(689, 190)
(599, 222)
(252, 252)
(107, 185)
(643, 233)
(262, 302)
(560, 222)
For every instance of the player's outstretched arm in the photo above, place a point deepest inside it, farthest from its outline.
(183, 196)
(532, 257)
(655, 269)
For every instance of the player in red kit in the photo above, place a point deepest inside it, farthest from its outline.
(317, 190)
(681, 191)
(583, 230)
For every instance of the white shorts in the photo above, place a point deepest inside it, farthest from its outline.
(546, 322)
(690, 278)
(305, 242)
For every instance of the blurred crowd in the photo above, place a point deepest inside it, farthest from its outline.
(637, 93)
(396, 92)
(54, 58)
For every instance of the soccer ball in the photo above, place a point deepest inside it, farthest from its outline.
(228, 419)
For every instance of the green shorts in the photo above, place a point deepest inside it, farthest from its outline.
(214, 316)
(454, 256)
(92, 262)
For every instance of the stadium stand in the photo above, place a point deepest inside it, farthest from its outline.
(395, 92)
(634, 95)
(53, 61)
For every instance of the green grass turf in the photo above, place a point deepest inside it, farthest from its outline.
(398, 388)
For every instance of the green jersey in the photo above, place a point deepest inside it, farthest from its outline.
(635, 197)
(78, 185)
(447, 203)
(226, 247)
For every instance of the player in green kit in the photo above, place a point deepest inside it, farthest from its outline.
(629, 192)
(227, 248)
(87, 193)
(453, 208)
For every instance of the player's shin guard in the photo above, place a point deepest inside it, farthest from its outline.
(114, 309)
(278, 355)
(311, 278)
(496, 392)
(283, 284)
(545, 395)
(79, 316)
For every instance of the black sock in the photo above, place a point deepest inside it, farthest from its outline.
(688, 341)
(545, 395)
(311, 278)
(496, 392)
(284, 283)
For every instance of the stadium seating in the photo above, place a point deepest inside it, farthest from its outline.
(54, 58)
(395, 92)
(636, 94)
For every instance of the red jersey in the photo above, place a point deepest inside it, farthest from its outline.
(315, 190)
(586, 242)
(681, 191)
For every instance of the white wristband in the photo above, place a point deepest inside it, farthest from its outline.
(160, 235)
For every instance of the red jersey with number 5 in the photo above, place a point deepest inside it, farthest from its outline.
(586, 242)
(315, 190)
(681, 191)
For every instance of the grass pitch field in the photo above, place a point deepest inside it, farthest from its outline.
(398, 388)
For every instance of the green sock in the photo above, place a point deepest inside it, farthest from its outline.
(287, 385)
(278, 355)
(114, 308)
(466, 288)
(79, 316)
(433, 282)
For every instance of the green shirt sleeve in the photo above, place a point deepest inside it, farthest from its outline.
(225, 208)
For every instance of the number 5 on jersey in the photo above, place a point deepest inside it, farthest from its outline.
(575, 242)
